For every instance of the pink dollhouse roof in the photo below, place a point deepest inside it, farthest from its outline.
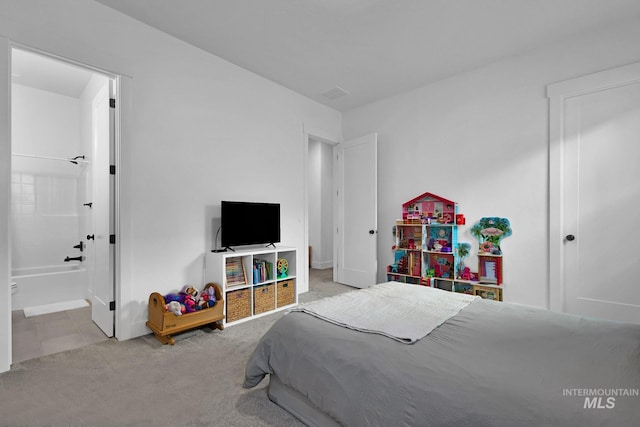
(428, 196)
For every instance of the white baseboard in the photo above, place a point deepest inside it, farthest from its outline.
(322, 265)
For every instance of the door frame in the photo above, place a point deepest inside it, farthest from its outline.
(309, 134)
(5, 216)
(558, 93)
(122, 111)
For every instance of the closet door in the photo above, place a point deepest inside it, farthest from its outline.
(596, 144)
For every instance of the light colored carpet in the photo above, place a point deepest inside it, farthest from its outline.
(139, 382)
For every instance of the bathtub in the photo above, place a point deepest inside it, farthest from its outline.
(47, 285)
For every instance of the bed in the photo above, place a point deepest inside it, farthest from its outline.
(488, 364)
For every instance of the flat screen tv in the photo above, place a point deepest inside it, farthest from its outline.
(249, 223)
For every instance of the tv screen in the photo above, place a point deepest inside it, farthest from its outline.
(249, 223)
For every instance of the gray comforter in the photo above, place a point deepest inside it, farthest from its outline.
(493, 364)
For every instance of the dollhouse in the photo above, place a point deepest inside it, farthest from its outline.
(429, 208)
(427, 251)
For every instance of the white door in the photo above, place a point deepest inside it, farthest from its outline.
(357, 215)
(101, 276)
(600, 199)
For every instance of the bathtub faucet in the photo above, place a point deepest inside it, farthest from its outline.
(77, 258)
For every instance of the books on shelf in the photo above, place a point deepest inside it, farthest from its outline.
(235, 272)
(262, 271)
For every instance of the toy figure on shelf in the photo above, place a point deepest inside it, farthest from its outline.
(282, 268)
(490, 232)
(462, 251)
(403, 265)
(398, 257)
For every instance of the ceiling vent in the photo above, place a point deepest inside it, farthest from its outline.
(335, 93)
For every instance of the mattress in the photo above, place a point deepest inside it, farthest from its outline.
(492, 364)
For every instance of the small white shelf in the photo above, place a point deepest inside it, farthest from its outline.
(267, 280)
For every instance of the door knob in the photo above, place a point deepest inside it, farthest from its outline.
(372, 232)
(91, 236)
(570, 237)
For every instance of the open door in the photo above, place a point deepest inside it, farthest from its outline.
(102, 275)
(357, 211)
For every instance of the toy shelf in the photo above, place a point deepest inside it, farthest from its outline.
(255, 281)
(485, 291)
(490, 268)
(427, 252)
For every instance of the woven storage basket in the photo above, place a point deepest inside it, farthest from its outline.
(286, 292)
(238, 304)
(264, 298)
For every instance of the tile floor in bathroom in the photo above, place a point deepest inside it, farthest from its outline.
(52, 333)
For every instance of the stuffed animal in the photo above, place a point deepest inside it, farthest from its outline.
(174, 307)
(189, 304)
(190, 290)
(207, 298)
(174, 297)
(204, 301)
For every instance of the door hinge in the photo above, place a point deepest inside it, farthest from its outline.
(112, 102)
(112, 169)
(112, 239)
(112, 306)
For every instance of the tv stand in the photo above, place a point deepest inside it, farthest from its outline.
(251, 284)
(271, 244)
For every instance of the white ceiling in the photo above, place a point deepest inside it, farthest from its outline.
(372, 49)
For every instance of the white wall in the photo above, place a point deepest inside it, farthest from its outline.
(44, 123)
(481, 139)
(315, 201)
(200, 130)
(45, 206)
(321, 203)
(325, 260)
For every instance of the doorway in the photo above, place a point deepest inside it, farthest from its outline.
(320, 205)
(62, 208)
(354, 173)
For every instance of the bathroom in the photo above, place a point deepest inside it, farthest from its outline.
(61, 200)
